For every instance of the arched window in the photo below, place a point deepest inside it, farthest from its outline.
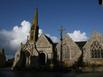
(66, 53)
(96, 50)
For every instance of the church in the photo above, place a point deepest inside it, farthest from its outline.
(41, 52)
(37, 51)
(93, 50)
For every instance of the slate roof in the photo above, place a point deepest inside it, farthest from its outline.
(81, 44)
(48, 38)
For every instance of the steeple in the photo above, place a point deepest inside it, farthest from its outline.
(35, 21)
(34, 28)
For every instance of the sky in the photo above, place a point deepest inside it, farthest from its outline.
(78, 17)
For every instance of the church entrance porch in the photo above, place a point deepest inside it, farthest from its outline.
(42, 59)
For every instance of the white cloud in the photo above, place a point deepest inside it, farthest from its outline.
(10, 40)
(17, 35)
(20, 33)
(40, 31)
(78, 36)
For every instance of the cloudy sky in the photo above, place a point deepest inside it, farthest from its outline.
(79, 18)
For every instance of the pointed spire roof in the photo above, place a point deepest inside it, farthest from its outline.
(35, 21)
(34, 28)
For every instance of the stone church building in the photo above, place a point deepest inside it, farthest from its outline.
(71, 52)
(93, 50)
(40, 51)
(37, 51)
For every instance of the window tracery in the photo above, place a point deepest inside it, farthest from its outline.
(96, 50)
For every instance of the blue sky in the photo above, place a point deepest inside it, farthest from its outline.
(83, 15)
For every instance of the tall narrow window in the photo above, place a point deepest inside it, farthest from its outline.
(96, 50)
(66, 52)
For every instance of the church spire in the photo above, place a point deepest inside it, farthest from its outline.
(34, 28)
(35, 21)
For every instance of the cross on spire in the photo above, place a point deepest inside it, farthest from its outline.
(61, 32)
(61, 28)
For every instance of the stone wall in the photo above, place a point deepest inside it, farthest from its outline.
(87, 56)
(70, 54)
(45, 46)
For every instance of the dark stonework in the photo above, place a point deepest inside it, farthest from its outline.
(2, 58)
